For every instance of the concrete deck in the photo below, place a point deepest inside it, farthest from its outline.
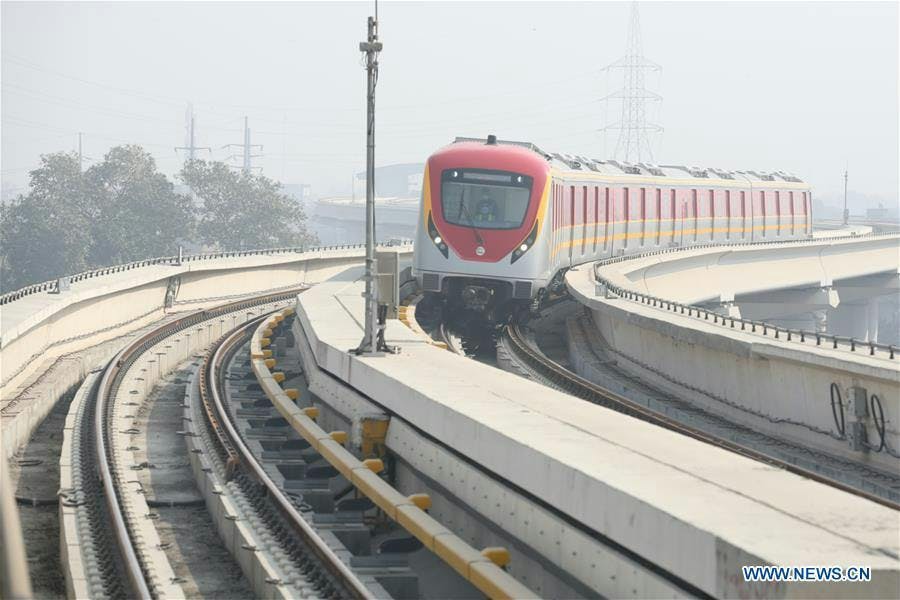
(692, 509)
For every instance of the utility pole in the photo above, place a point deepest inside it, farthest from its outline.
(191, 146)
(80, 155)
(247, 148)
(633, 144)
(371, 342)
(846, 210)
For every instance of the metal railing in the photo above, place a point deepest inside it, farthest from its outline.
(746, 325)
(52, 286)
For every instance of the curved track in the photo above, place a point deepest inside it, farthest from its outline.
(331, 577)
(122, 563)
(536, 364)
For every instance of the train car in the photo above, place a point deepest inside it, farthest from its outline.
(502, 221)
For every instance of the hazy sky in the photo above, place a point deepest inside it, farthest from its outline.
(804, 87)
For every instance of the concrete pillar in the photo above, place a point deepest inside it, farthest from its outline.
(872, 318)
(820, 317)
(850, 319)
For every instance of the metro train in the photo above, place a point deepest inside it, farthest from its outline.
(502, 221)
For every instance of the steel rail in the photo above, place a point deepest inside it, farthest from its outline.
(112, 377)
(447, 339)
(232, 441)
(558, 375)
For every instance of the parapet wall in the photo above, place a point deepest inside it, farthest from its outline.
(776, 386)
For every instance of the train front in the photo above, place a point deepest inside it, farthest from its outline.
(481, 247)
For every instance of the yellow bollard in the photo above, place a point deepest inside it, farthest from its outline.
(374, 464)
(423, 501)
(497, 555)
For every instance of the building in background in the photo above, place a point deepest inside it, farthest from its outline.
(341, 220)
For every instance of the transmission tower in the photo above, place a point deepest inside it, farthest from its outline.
(246, 156)
(633, 144)
(190, 145)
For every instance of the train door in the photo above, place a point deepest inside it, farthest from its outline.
(659, 214)
(743, 215)
(673, 214)
(777, 213)
(596, 218)
(793, 212)
(554, 230)
(695, 213)
(712, 215)
(643, 216)
(585, 218)
(762, 211)
(608, 204)
(571, 214)
(807, 201)
(728, 214)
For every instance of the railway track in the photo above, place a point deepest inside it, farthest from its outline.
(515, 344)
(308, 566)
(110, 546)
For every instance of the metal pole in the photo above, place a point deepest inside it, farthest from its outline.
(80, 156)
(246, 146)
(371, 47)
(846, 211)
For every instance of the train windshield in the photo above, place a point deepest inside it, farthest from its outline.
(485, 199)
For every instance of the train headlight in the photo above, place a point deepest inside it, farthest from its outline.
(526, 244)
(436, 237)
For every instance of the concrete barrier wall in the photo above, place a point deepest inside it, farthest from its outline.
(68, 334)
(773, 386)
(45, 325)
(727, 271)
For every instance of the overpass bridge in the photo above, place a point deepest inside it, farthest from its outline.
(427, 472)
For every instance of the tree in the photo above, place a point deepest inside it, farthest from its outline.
(46, 233)
(138, 214)
(243, 211)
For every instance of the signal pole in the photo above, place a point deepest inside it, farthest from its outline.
(370, 342)
(191, 146)
(247, 148)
